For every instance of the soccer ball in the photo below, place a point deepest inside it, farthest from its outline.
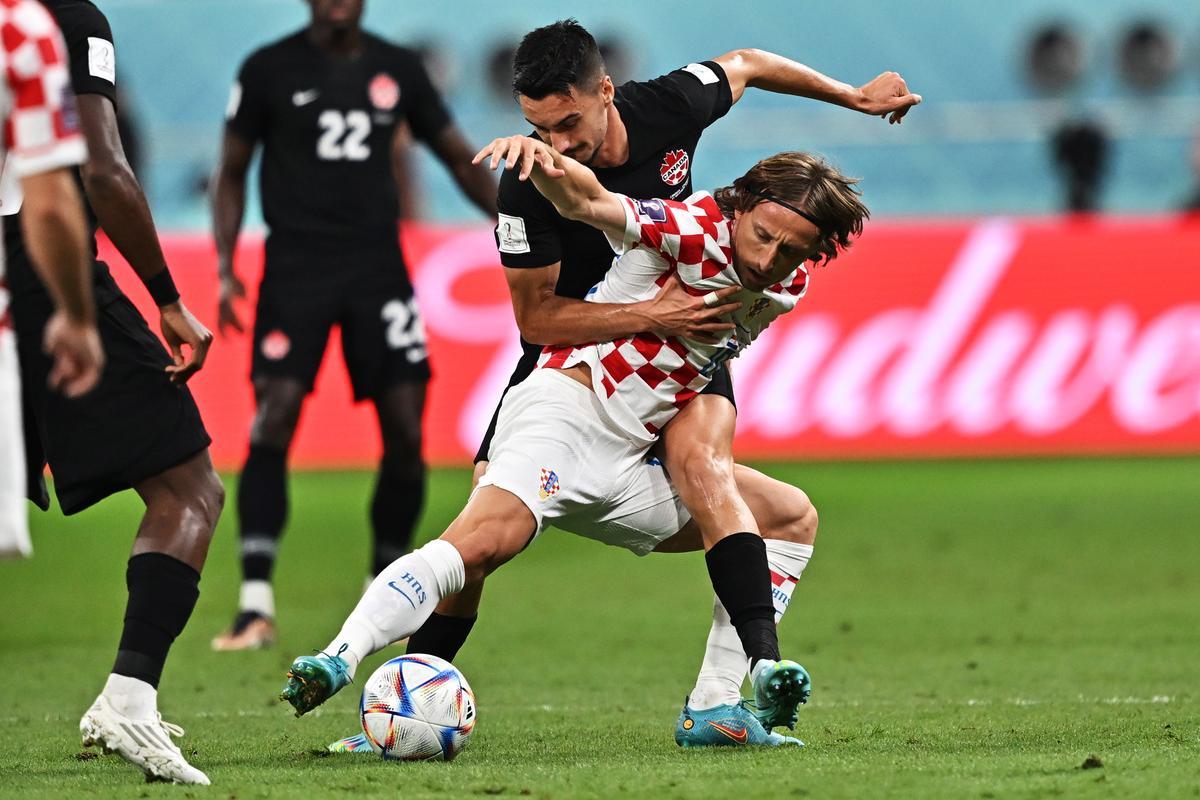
(418, 708)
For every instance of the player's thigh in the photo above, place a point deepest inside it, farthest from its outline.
(383, 337)
(133, 425)
(698, 452)
(699, 441)
(297, 307)
(494, 526)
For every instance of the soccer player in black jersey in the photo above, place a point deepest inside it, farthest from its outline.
(330, 105)
(139, 428)
(640, 140)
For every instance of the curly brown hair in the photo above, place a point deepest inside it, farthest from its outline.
(808, 183)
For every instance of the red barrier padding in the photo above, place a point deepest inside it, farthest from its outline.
(926, 339)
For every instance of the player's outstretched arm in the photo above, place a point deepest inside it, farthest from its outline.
(886, 95)
(573, 188)
(228, 199)
(124, 214)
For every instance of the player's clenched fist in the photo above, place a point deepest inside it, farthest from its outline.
(526, 150)
(887, 96)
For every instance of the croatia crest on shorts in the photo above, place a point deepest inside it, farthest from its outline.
(548, 484)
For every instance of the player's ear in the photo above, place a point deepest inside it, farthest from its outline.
(607, 90)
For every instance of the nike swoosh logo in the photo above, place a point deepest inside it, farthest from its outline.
(304, 98)
(738, 736)
(404, 594)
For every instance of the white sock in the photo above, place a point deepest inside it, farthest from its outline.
(129, 696)
(720, 680)
(399, 600)
(725, 662)
(786, 561)
(257, 596)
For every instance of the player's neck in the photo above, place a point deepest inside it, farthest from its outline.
(614, 150)
(335, 40)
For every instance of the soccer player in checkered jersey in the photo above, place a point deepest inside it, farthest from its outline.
(332, 106)
(40, 144)
(640, 139)
(139, 428)
(572, 440)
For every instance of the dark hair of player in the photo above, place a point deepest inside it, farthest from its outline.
(811, 187)
(554, 58)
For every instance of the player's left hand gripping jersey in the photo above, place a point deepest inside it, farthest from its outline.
(644, 380)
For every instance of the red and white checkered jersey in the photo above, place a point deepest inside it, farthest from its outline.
(644, 380)
(41, 126)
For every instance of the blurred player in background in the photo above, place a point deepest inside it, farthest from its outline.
(572, 440)
(40, 145)
(139, 428)
(640, 139)
(330, 106)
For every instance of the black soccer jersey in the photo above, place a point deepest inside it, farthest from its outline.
(92, 55)
(326, 123)
(664, 118)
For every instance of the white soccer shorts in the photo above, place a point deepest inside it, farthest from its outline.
(14, 521)
(556, 451)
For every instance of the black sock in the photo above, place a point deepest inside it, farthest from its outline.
(262, 509)
(162, 594)
(441, 636)
(395, 508)
(741, 578)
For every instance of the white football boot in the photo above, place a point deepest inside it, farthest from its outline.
(145, 743)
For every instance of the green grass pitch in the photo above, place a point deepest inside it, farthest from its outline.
(974, 629)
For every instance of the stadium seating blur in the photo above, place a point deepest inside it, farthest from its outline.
(979, 146)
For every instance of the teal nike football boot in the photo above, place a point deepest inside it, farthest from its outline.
(780, 688)
(726, 726)
(352, 744)
(314, 679)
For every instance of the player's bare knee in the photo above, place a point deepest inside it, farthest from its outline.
(489, 545)
(277, 413)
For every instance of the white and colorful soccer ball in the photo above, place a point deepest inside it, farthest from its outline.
(418, 708)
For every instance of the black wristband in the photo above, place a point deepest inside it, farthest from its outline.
(162, 288)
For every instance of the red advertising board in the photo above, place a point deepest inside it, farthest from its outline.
(926, 339)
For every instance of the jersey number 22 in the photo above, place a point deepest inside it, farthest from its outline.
(344, 136)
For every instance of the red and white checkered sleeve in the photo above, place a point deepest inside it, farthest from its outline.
(41, 130)
(649, 223)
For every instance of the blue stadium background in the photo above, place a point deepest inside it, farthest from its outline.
(978, 146)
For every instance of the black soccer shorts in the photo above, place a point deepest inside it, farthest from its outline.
(134, 425)
(368, 294)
